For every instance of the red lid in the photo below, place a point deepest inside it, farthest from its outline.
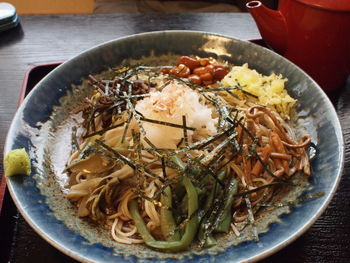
(336, 5)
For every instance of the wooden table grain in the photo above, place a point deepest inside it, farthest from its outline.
(50, 38)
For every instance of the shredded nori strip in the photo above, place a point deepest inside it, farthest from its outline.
(185, 81)
(75, 143)
(244, 91)
(313, 151)
(126, 126)
(179, 143)
(99, 85)
(219, 147)
(128, 161)
(292, 202)
(267, 169)
(134, 96)
(137, 144)
(211, 218)
(232, 94)
(167, 124)
(183, 224)
(218, 157)
(117, 96)
(121, 157)
(150, 199)
(100, 132)
(184, 129)
(205, 142)
(251, 218)
(258, 189)
(156, 150)
(136, 116)
(204, 169)
(245, 130)
(140, 168)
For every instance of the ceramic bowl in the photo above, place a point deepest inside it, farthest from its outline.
(39, 196)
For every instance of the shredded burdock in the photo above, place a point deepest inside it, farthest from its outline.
(170, 156)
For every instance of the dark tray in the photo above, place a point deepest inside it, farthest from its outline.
(14, 230)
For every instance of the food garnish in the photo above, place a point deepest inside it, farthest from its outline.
(17, 161)
(170, 156)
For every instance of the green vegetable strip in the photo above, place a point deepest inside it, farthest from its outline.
(177, 160)
(205, 237)
(211, 196)
(225, 220)
(190, 230)
(167, 221)
(140, 224)
(210, 241)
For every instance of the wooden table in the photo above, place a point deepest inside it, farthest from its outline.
(42, 39)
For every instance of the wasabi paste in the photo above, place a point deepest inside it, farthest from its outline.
(17, 162)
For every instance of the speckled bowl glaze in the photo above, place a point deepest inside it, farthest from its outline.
(315, 110)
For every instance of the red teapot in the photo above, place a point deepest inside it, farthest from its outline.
(314, 34)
